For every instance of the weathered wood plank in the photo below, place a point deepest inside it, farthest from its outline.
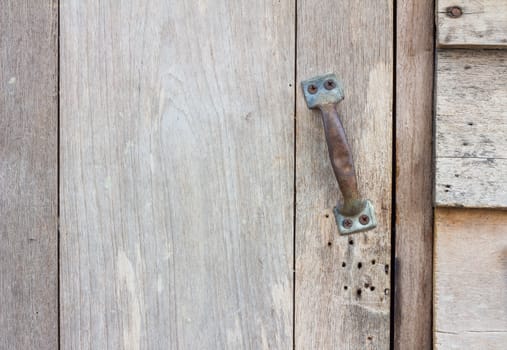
(28, 175)
(342, 283)
(471, 106)
(471, 128)
(471, 182)
(177, 174)
(470, 276)
(414, 212)
(482, 23)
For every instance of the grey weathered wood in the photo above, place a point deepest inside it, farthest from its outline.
(354, 40)
(471, 182)
(28, 175)
(177, 151)
(471, 128)
(483, 23)
(414, 213)
(470, 275)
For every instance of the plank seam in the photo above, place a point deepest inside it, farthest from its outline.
(393, 182)
(294, 179)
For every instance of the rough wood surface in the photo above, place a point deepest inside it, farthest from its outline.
(343, 282)
(177, 148)
(470, 278)
(28, 175)
(471, 182)
(471, 128)
(483, 23)
(414, 212)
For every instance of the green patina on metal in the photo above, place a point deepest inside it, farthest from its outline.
(355, 214)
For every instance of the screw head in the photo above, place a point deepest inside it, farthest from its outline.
(312, 88)
(329, 84)
(347, 223)
(364, 219)
(454, 11)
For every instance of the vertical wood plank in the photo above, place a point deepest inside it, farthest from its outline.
(343, 283)
(414, 218)
(177, 148)
(28, 175)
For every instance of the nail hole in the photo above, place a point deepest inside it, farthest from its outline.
(456, 175)
(359, 292)
(470, 123)
(366, 285)
(448, 186)
(329, 243)
(372, 288)
(386, 269)
(373, 262)
(351, 242)
(327, 215)
(344, 264)
(359, 265)
(345, 287)
(370, 338)
(465, 143)
(454, 11)
(467, 66)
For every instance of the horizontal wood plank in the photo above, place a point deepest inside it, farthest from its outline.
(470, 276)
(482, 23)
(471, 182)
(471, 128)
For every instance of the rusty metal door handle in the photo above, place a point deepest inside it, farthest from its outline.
(354, 214)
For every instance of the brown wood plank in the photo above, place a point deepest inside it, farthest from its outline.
(28, 175)
(470, 279)
(471, 128)
(478, 23)
(177, 180)
(344, 306)
(414, 213)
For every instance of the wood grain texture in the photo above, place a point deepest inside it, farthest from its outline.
(471, 128)
(483, 23)
(414, 174)
(177, 148)
(342, 287)
(470, 279)
(471, 182)
(28, 175)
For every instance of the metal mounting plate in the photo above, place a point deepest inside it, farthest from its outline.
(322, 95)
(355, 223)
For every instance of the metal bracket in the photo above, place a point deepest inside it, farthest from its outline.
(362, 221)
(355, 213)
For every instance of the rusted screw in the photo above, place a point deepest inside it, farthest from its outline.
(312, 88)
(329, 84)
(454, 11)
(364, 219)
(347, 223)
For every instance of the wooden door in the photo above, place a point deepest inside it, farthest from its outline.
(192, 187)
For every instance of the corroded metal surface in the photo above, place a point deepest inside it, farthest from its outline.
(354, 214)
